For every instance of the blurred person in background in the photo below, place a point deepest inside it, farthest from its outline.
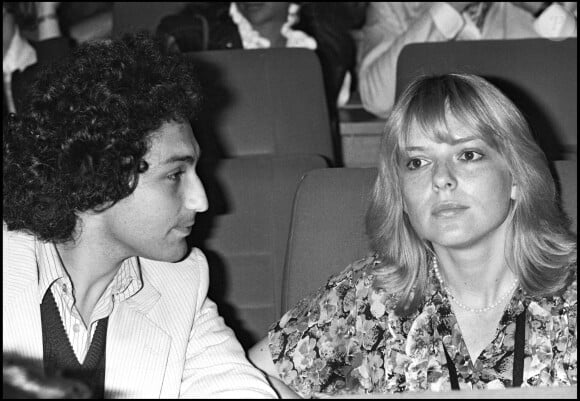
(473, 280)
(389, 26)
(322, 27)
(23, 58)
(38, 33)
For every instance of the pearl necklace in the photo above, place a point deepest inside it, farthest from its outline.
(467, 308)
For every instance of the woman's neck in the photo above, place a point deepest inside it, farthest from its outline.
(477, 275)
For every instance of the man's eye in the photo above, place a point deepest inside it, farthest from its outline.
(470, 156)
(414, 164)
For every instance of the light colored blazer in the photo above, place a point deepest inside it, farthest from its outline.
(166, 341)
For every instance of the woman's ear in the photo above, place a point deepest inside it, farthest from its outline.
(514, 193)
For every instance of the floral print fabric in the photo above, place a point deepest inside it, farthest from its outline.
(346, 339)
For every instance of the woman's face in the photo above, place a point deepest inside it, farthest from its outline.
(455, 194)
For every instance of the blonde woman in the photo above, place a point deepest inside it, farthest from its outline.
(473, 280)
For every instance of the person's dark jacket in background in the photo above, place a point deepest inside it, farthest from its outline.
(47, 51)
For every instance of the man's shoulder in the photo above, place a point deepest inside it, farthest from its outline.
(19, 265)
(16, 243)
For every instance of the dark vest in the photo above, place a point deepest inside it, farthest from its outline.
(59, 356)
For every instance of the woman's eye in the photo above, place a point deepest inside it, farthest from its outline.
(176, 176)
(414, 164)
(470, 156)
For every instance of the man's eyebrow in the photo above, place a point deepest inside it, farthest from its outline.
(180, 158)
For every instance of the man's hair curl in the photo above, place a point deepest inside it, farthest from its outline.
(79, 144)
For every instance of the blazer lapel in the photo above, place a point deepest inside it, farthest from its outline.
(137, 348)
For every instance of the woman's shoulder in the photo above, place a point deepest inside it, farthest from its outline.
(570, 294)
(344, 293)
(564, 301)
(356, 270)
(337, 334)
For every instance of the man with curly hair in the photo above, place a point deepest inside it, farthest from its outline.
(100, 193)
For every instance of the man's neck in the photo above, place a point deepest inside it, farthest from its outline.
(91, 267)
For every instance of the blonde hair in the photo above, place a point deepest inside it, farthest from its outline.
(542, 249)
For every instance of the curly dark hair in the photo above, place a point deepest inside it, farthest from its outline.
(79, 143)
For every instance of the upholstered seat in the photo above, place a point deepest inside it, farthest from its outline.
(244, 235)
(262, 101)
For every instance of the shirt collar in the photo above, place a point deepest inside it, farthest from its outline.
(50, 268)
(124, 285)
(20, 54)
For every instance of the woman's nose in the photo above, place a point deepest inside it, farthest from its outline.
(443, 177)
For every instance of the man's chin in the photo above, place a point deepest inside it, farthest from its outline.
(177, 254)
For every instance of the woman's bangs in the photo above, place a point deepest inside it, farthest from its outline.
(469, 109)
(425, 115)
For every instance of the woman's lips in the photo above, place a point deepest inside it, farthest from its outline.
(448, 209)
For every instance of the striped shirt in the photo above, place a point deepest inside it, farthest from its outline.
(53, 276)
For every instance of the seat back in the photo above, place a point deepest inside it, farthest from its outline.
(538, 75)
(131, 16)
(262, 101)
(244, 235)
(327, 232)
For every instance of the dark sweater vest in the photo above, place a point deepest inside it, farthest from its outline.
(59, 356)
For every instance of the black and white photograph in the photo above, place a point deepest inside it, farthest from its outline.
(348, 200)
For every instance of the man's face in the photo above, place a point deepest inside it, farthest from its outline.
(154, 221)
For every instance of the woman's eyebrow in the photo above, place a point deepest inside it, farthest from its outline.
(453, 142)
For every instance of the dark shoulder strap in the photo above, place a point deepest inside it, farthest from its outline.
(452, 371)
(518, 368)
(520, 340)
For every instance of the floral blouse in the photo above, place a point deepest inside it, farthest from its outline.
(346, 339)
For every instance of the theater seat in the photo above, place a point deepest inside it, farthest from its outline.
(133, 16)
(538, 75)
(327, 230)
(244, 235)
(262, 101)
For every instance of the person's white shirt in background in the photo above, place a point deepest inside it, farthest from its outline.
(392, 25)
